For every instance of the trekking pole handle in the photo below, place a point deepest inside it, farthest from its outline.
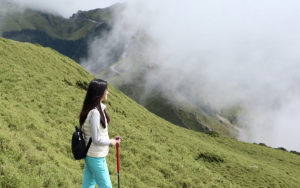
(118, 154)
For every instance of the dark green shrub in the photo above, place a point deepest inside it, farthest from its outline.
(67, 82)
(213, 134)
(210, 157)
(82, 84)
(262, 144)
(295, 152)
(281, 148)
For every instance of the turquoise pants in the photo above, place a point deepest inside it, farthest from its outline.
(96, 171)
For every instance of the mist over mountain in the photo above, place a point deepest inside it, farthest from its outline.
(232, 53)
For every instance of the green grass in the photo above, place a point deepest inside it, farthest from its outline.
(40, 100)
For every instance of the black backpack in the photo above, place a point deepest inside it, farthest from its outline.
(78, 146)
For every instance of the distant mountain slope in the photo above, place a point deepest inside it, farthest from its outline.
(135, 76)
(76, 27)
(55, 26)
(68, 36)
(41, 95)
(99, 15)
(167, 105)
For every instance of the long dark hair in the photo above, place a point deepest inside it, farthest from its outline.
(92, 99)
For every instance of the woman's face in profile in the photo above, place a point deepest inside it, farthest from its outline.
(104, 97)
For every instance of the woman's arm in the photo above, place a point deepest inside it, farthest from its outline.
(96, 134)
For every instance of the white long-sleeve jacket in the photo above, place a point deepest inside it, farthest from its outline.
(100, 137)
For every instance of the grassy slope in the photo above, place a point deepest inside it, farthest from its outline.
(39, 106)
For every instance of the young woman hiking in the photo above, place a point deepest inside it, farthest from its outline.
(94, 120)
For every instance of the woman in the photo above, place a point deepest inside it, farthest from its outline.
(94, 120)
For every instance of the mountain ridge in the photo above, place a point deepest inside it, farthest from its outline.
(70, 37)
(56, 26)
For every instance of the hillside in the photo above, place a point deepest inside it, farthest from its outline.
(80, 25)
(41, 95)
(54, 25)
(99, 15)
(70, 37)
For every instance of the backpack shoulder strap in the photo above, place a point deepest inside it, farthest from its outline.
(89, 143)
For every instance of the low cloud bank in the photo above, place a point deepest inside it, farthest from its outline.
(233, 52)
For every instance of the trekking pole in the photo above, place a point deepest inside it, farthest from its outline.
(118, 160)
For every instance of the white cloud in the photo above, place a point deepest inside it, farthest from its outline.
(233, 51)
